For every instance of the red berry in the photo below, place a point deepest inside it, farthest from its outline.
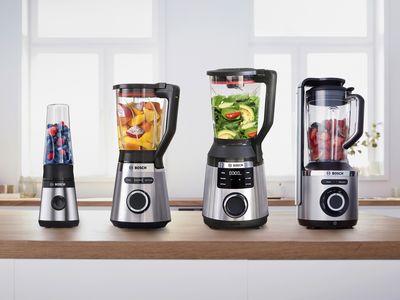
(53, 131)
(50, 156)
(60, 142)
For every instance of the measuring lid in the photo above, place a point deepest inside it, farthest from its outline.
(328, 92)
(232, 76)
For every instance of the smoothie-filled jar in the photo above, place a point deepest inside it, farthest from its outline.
(140, 117)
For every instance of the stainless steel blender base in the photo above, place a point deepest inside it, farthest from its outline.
(58, 207)
(313, 211)
(215, 201)
(140, 197)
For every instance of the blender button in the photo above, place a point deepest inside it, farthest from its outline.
(138, 201)
(58, 203)
(235, 205)
(148, 180)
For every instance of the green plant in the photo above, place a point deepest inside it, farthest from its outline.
(370, 140)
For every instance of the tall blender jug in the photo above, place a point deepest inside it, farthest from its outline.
(146, 123)
(58, 206)
(235, 194)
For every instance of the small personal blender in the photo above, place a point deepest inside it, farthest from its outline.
(146, 123)
(58, 206)
(235, 193)
(329, 121)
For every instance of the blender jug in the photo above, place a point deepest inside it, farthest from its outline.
(330, 120)
(58, 148)
(235, 103)
(140, 118)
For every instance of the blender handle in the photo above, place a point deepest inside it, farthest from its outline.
(171, 93)
(268, 77)
(360, 122)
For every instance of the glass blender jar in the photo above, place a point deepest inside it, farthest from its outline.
(235, 103)
(329, 123)
(140, 118)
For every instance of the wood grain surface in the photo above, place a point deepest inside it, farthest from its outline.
(187, 237)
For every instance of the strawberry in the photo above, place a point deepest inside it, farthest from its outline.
(53, 130)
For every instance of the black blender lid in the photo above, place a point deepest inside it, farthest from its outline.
(328, 91)
(233, 72)
(160, 85)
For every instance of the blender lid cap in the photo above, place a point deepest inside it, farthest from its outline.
(233, 72)
(160, 85)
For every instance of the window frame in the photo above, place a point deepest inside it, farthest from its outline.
(300, 47)
(105, 48)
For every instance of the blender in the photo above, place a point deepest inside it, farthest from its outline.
(330, 120)
(235, 194)
(146, 123)
(58, 206)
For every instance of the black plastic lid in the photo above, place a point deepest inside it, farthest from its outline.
(129, 86)
(233, 72)
(328, 92)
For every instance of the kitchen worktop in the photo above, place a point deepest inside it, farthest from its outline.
(186, 237)
(192, 202)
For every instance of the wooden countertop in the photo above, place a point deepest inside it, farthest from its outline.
(187, 237)
(191, 202)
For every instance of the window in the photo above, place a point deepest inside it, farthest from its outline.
(320, 39)
(74, 52)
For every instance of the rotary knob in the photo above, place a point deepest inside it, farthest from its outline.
(138, 201)
(58, 202)
(334, 201)
(235, 205)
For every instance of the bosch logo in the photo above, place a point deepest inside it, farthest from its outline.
(140, 168)
(336, 173)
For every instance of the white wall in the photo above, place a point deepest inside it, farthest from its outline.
(199, 35)
(10, 90)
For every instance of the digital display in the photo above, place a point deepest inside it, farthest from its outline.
(235, 178)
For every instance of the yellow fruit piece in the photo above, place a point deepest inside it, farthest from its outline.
(147, 137)
(150, 115)
(148, 146)
(138, 120)
(132, 143)
(121, 131)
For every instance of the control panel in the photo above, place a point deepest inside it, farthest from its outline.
(334, 201)
(235, 178)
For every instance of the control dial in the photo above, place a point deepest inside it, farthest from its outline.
(138, 201)
(334, 201)
(235, 205)
(58, 202)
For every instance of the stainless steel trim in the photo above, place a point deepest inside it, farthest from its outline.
(213, 197)
(312, 189)
(48, 213)
(158, 210)
(235, 164)
(330, 173)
